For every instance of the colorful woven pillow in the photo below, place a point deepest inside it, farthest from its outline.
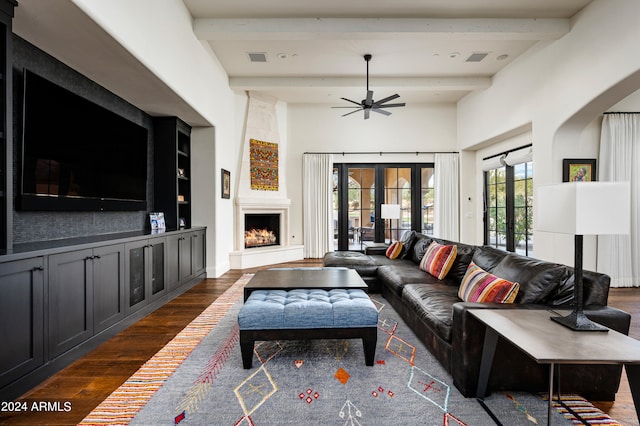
(479, 285)
(438, 258)
(394, 250)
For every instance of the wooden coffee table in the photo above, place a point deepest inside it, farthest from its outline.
(304, 278)
(548, 342)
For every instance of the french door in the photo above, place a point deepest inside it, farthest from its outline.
(508, 220)
(361, 189)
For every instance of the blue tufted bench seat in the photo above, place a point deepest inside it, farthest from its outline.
(301, 314)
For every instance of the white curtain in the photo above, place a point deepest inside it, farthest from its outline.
(446, 194)
(317, 192)
(618, 255)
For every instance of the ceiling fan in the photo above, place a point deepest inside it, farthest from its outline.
(367, 105)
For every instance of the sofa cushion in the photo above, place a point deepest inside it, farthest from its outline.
(395, 275)
(408, 240)
(438, 258)
(394, 250)
(433, 304)
(488, 257)
(419, 247)
(538, 279)
(365, 265)
(463, 259)
(479, 285)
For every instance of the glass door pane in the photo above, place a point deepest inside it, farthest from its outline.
(523, 208)
(397, 190)
(336, 206)
(497, 208)
(361, 206)
(426, 200)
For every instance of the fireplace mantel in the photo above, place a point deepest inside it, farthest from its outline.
(243, 258)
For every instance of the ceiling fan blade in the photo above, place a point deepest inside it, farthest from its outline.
(369, 99)
(357, 107)
(387, 99)
(353, 102)
(389, 105)
(354, 111)
(366, 113)
(381, 111)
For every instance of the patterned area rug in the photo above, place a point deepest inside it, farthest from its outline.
(198, 379)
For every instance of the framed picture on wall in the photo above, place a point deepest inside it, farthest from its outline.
(226, 183)
(579, 170)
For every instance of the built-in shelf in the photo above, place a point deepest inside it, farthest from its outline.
(172, 169)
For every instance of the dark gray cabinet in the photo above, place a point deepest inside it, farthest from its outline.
(108, 286)
(70, 304)
(85, 295)
(21, 318)
(145, 271)
(58, 301)
(186, 257)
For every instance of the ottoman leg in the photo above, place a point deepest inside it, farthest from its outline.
(246, 349)
(369, 342)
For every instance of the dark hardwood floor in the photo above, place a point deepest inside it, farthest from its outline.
(89, 380)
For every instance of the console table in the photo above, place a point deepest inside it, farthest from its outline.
(548, 342)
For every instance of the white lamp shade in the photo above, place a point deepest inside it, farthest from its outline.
(584, 208)
(390, 211)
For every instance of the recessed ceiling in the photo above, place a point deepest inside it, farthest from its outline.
(425, 50)
(314, 50)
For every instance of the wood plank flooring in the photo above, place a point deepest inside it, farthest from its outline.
(89, 380)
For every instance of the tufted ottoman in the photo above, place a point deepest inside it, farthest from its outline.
(307, 314)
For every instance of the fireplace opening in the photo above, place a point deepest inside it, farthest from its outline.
(261, 230)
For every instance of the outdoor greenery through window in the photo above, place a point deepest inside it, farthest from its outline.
(509, 208)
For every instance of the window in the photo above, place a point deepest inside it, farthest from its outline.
(508, 221)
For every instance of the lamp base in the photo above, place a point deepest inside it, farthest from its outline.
(578, 321)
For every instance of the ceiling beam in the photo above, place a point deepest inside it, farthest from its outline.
(424, 83)
(380, 28)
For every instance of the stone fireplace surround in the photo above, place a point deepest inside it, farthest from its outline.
(241, 257)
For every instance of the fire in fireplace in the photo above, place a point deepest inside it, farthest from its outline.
(261, 230)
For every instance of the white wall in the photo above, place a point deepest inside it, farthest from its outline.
(558, 89)
(319, 128)
(159, 34)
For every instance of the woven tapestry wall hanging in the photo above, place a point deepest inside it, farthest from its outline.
(264, 165)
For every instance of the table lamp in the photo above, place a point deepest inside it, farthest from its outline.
(389, 211)
(583, 208)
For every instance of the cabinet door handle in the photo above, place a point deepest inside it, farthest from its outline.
(38, 268)
(96, 257)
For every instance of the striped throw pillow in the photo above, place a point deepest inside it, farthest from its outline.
(394, 250)
(479, 285)
(438, 258)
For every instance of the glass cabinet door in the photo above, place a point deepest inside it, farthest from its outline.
(157, 267)
(137, 275)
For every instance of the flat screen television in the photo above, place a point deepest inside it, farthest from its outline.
(77, 155)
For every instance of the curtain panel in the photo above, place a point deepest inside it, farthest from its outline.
(446, 194)
(317, 189)
(619, 255)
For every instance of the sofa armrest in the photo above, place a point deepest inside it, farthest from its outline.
(376, 250)
(468, 340)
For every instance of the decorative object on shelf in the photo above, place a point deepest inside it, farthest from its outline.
(579, 170)
(226, 183)
(263, 165)
(389, 211)
(157, 222)
(583, 208)
(183, 223)
(181, 172)
(181, 198)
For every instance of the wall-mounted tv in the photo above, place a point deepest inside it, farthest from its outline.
(77, 155)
